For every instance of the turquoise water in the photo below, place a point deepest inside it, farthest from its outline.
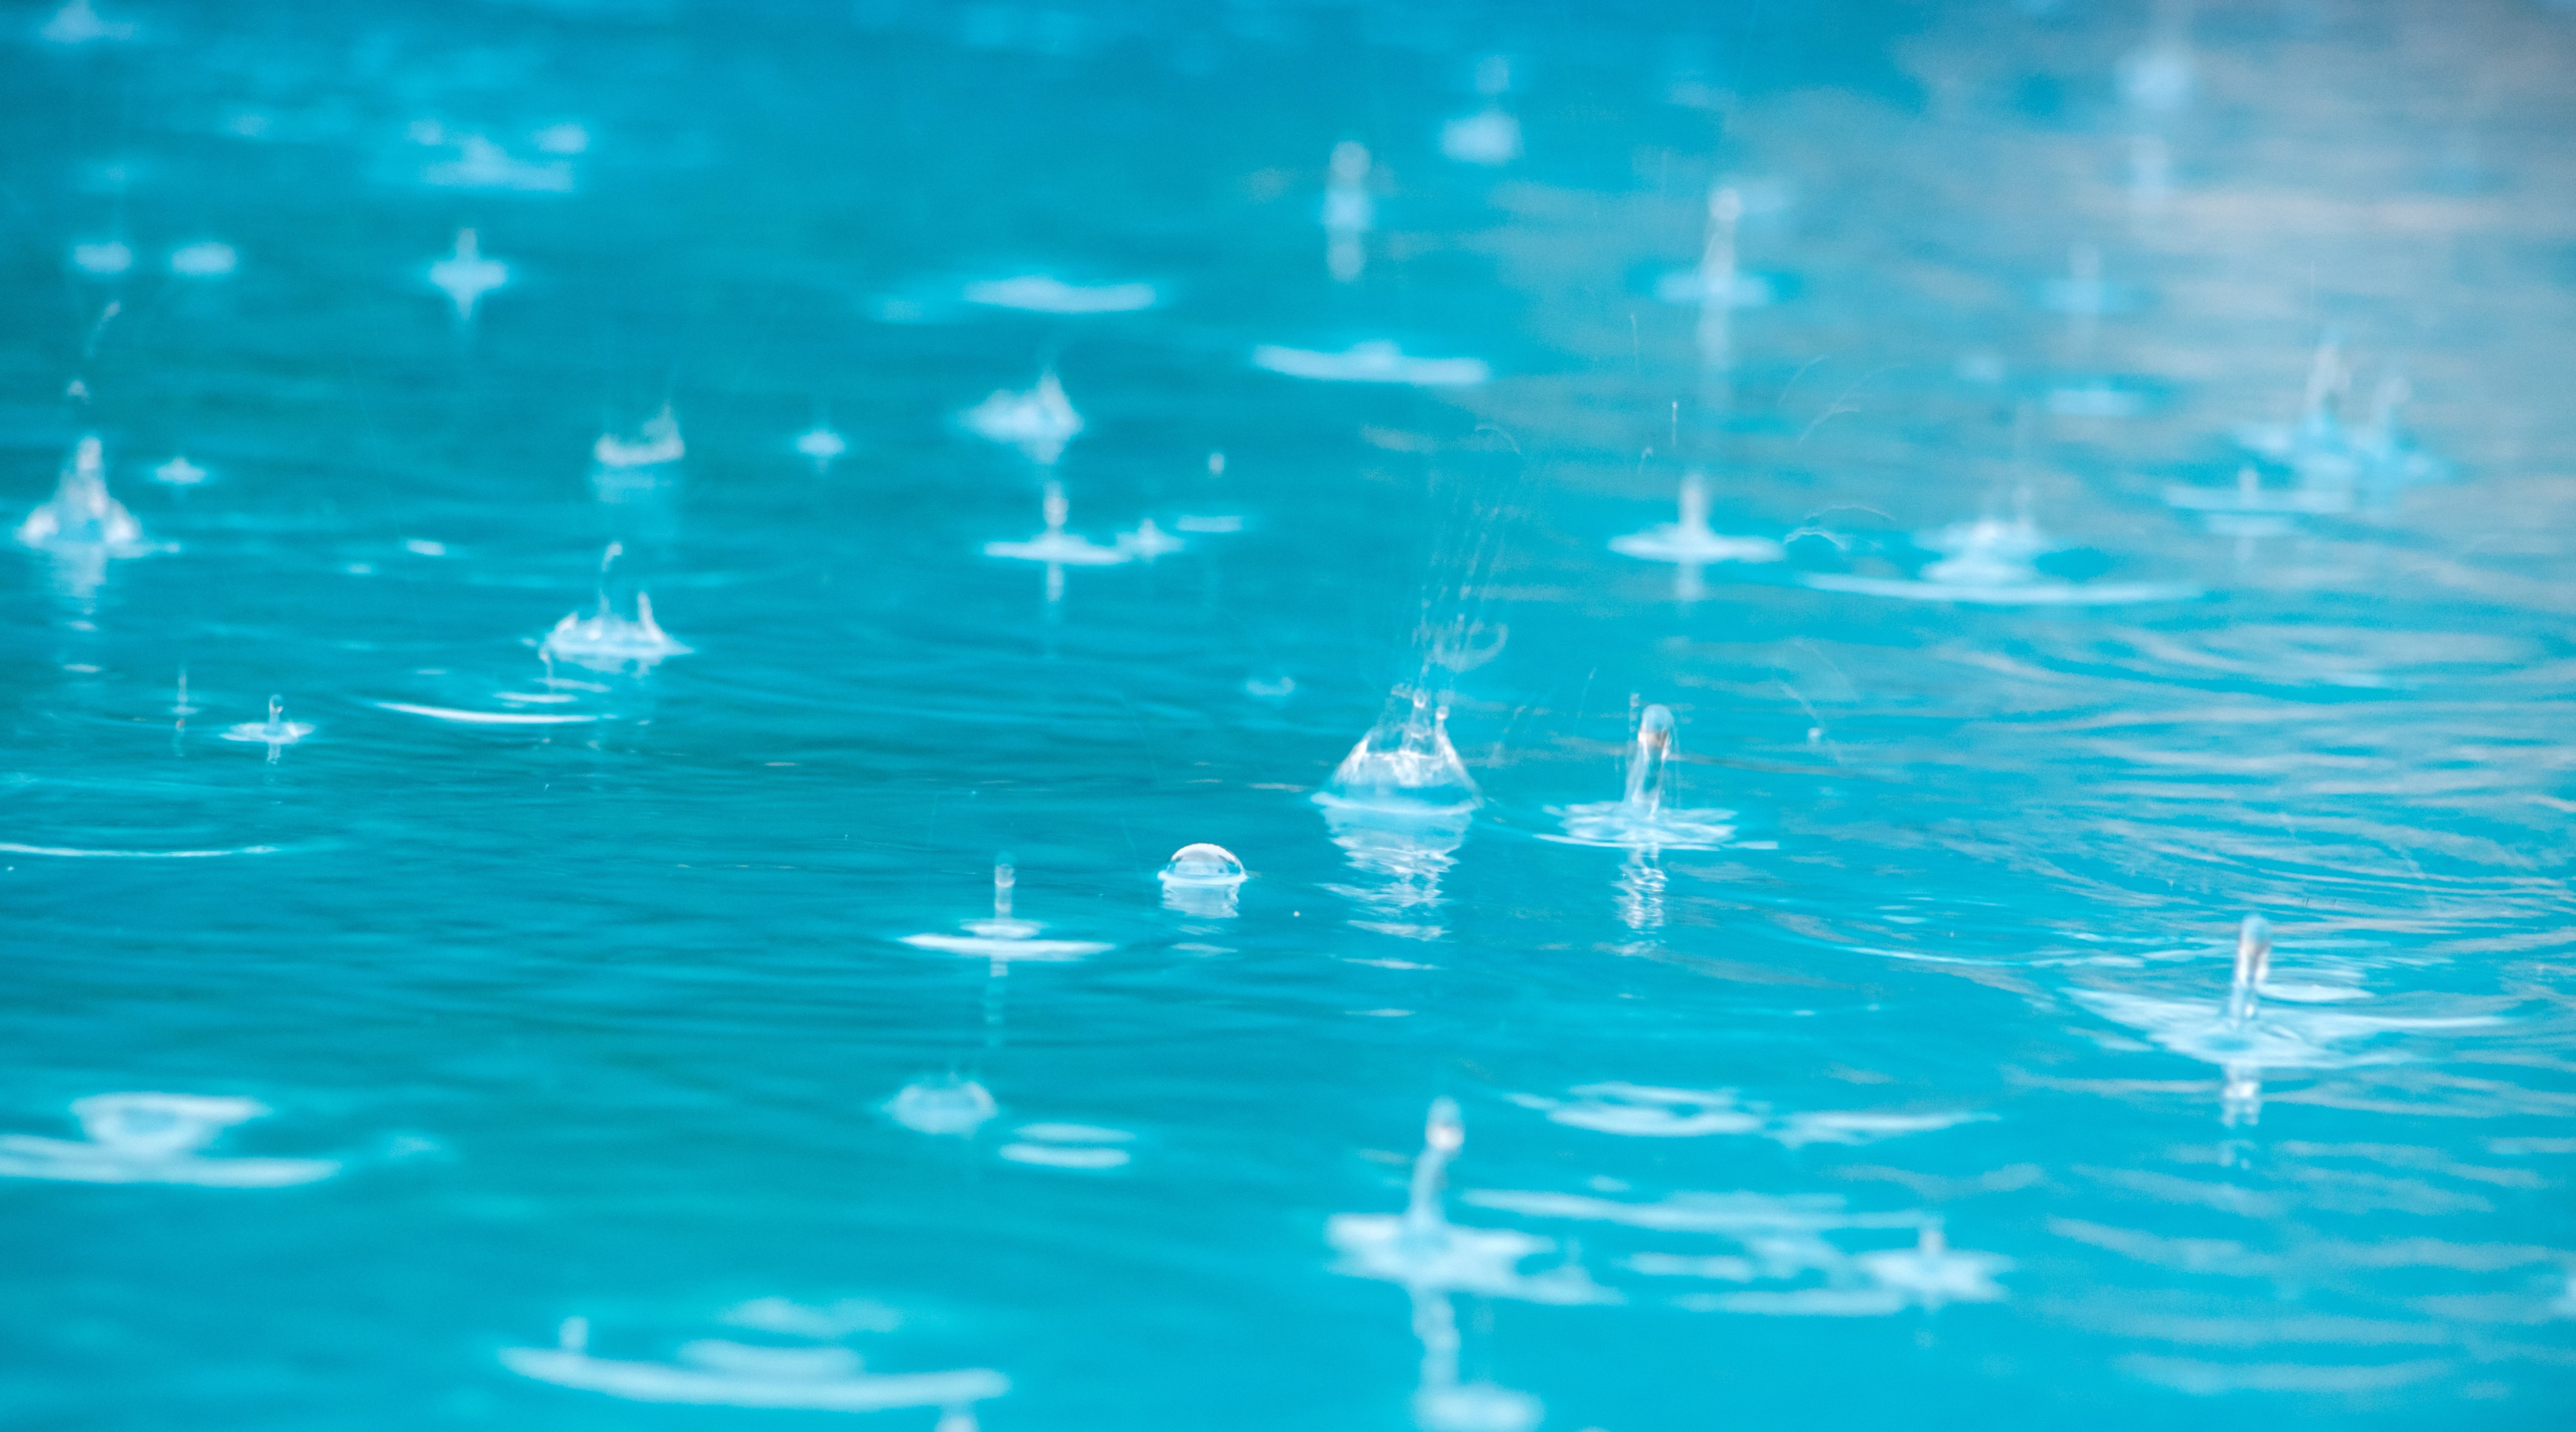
(545, 1014)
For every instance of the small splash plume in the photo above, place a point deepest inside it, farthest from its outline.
(82, 527)
(1690, 544)
(277, 733)
(607, 640)
(154, 1138)
(1349, 212)
(1432, 1259)
(2240, 1095)
(951, 1106)
(1639, 819)
(1005, 937)
(1405, 766)
(655, 444)
(1057, 548)
(1040, 422)
(465, 275)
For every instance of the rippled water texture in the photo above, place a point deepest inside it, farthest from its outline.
(595, 752)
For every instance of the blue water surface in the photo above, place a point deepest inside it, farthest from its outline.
(544, 1026)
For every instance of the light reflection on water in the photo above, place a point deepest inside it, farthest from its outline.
(2124, 487)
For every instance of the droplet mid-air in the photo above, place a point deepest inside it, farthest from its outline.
(465, 275)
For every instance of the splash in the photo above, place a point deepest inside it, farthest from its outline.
(1044, 293)
(1491, 136)
(822, 445)
(205, 259)
(83, 528)
(103, 259)
(1993, 562)
(1057, 548)
(1432, 1259)
(1690, 544)
(179, 472)
(2245, 1040)
(608, 641)
(277, 733)
(713, 1372)
(1373, 362)
(1006, 938)
(465, 275)
(154, 1138)
(656, 444)
(951, 1106)
(1639, 820)
(1039, 422)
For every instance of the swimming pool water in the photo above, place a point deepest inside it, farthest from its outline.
(619, 1032)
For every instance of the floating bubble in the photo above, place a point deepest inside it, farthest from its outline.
(1202, 879)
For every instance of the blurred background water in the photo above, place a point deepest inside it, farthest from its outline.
(542, 997)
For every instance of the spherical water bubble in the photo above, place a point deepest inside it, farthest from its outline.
(1202, 880)
(1203, 864)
